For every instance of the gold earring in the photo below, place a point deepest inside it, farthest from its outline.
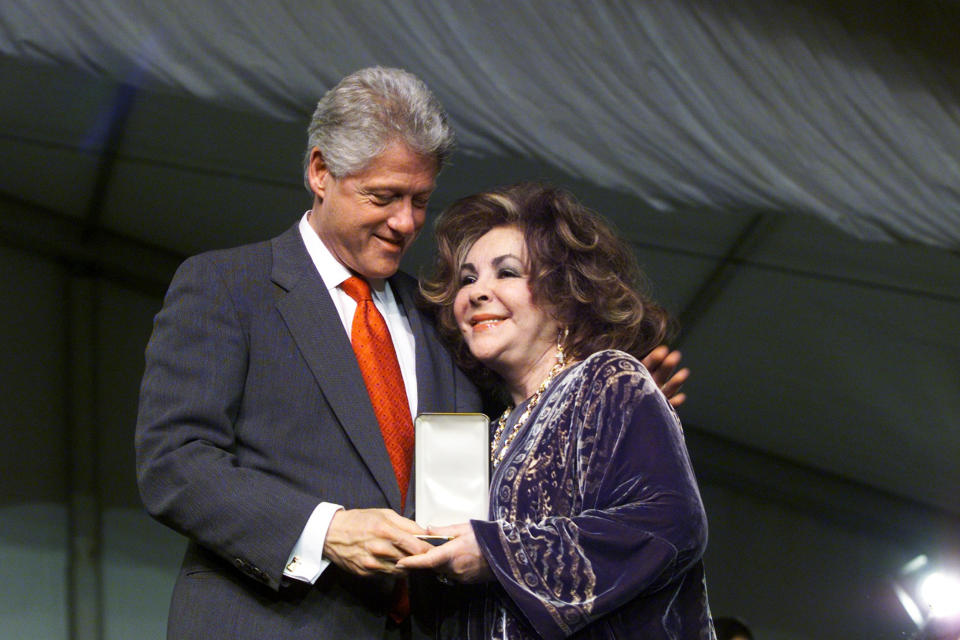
(561, 338)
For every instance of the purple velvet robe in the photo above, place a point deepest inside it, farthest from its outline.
(596, 525)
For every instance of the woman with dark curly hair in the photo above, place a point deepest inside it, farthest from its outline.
(596, 528)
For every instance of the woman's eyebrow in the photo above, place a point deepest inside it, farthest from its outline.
(468, 266)
(499, 259)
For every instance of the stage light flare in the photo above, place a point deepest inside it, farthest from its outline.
(940, 593)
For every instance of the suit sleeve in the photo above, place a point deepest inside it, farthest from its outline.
(186, 445)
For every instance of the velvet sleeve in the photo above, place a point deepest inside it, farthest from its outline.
(635, 522)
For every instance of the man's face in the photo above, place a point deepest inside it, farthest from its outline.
(369, 219)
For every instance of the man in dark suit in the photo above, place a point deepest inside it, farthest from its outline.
(256, 436)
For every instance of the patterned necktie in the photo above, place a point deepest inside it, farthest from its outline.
(381, 374)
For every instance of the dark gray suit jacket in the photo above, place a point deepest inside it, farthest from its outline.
(252, 411)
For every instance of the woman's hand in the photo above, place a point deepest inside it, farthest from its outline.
(459, 559)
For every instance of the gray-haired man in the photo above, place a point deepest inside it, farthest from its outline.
(257, 438)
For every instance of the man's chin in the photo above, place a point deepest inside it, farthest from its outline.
(379, 268)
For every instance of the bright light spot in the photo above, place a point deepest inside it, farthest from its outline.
(941, 593)
(911, 607)
(915, 565)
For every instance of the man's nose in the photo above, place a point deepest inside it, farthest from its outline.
(406, 218)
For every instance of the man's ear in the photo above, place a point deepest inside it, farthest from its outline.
(317, 173)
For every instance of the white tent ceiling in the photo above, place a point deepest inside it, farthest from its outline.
(789, 106)
(754, 152)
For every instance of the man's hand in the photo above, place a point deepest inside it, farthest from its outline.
(662, 365)
(459, 559)
(369, 541)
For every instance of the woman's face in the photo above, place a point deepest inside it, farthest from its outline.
(495, 312)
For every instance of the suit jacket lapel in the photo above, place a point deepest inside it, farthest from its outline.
(312, 319)
(434, 369)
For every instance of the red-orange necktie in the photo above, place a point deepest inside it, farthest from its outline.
(381, 374)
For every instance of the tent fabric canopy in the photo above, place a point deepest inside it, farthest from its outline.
(132, 136)
(788, 107)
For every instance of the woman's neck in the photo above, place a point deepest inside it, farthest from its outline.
(524, 384)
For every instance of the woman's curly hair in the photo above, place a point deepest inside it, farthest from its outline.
(580, 272)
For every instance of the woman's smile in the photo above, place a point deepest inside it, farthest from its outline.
(484, 321)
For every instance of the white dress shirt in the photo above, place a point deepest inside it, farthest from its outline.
(306, 561)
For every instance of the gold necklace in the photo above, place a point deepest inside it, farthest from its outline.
(496, 451)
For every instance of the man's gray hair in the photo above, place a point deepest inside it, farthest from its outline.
(367, 111)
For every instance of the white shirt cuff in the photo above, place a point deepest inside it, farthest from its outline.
(306, 561)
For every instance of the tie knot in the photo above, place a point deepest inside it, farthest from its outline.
(356, 288)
